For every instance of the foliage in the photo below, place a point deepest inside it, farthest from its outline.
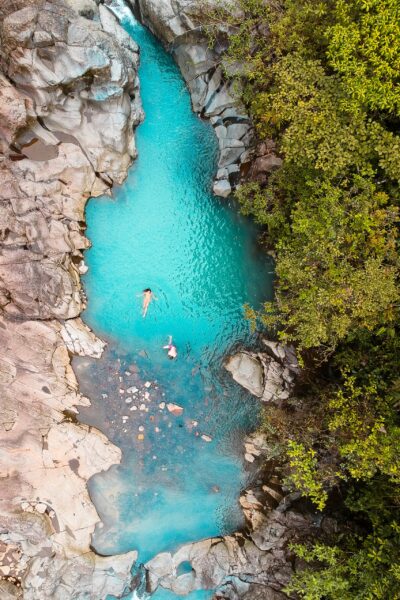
(317, 73)
(321, 77)
(304, 474)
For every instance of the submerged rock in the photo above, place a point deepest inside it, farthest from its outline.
(175, 409)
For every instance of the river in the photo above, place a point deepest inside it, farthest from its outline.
(181, 474)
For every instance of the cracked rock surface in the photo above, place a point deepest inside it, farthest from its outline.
(237, 564)
(178, 24)
(69, 102)
(269, 375)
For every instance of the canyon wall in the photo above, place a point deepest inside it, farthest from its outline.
(69, 102)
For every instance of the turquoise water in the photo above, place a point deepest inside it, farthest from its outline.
(165, 230)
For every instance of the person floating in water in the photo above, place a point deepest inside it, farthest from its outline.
(148, 296)
(172, 351)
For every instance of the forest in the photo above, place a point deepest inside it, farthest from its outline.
(321, 79)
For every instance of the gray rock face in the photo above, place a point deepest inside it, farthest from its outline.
(270, 376)
(68, 105)
(177, 23)
(247, 370)
(235, 564)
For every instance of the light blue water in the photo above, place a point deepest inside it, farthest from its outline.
(165, 230)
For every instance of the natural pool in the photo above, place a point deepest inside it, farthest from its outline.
(165, 230)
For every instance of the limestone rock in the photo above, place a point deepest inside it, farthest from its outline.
(68, 105)
(247, 370)
(269, 376)
(80, 340)
(178, 24)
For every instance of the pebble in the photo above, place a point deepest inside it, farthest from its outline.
(133, 407)
(104, 396)
(127, 373)
(128, 400)
(41, 507)
(121, 391)
(140, 437)
(194, 423)
(147, 384)
(120, 378)
(142, 407)
(206, 438)
(147, 395)
(157, 429)
(154, 457)
(175, 409)
(162, 405)
(141, 428)
(132, 390)
(249, 457)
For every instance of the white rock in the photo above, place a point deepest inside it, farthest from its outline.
(222, 188)
(247, 371)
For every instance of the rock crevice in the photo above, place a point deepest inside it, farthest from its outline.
(179, 24)
(69, 102)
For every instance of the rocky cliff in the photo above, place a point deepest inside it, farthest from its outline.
(179, 25)
(68, 105)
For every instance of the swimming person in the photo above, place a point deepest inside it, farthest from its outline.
(172, 351)
(148, 296)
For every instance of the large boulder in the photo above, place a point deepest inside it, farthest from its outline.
(268, 375)
(247, 370)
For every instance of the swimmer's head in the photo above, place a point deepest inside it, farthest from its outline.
(147, 290)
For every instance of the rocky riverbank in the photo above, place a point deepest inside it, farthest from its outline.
(178, 24)
(69, 102)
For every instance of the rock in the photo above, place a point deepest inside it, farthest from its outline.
(40, 507)
(147, 384)
(247, 370)
(175, 409)
(206, 438)
(179, 24)
(69, 103)
(222, 188)
(162, 405)
(218, 562)
(80, 340)
(132, 390)
(268, 376)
